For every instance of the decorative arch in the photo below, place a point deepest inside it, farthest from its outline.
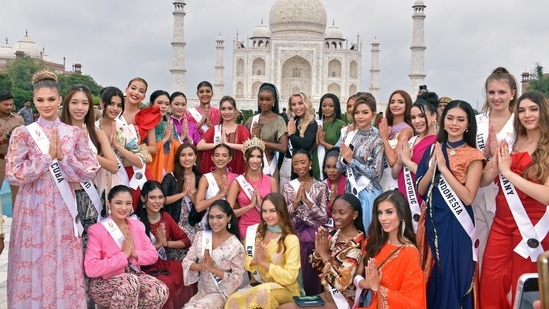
(353, 69)
(240, 90)
(296, 76)
(335, 89)
(334, 68)
(258, 66)
(240, 67)
(352, 90)
(255, 88)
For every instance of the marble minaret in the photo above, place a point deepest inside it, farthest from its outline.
(374, 70)
(218, 84)
(177, 69)
(417, 72)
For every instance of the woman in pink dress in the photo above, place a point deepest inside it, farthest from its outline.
(247, 192)
(45, 256)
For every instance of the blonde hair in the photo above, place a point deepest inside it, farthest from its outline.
(45, 79)
(309, 115)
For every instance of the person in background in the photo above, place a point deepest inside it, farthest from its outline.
(204, 116)
(45, 255)
(26, 112)
(270, 127)
(392, 273)
(273, 258)
(215, 259)
(8, 122)
(442, 102)
(117, 248)
(333, 178)
(328, 132)
(284, 115)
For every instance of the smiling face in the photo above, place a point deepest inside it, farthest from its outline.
(328, 107)
(227, 111)
(301, 164)
(163, 102)
(350, 105)
(331, 169)
(388, 217)
(217, 219)
(121, 205)
(528, 114)
(221, 157)
(499, 94)
(135, 93)
(363, 116)
(47, 102)
(268, 213)
(154, 201)
(187, 158)
(179, 106)
(455, 123)
(343, 214)
(397, 105)
(204, 94)
(113, 108)
(265, 100)
(297, 106)
(255, 160)
(79, 106)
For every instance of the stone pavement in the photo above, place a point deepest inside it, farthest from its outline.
(4, 265)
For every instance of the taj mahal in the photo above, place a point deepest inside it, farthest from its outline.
(297, 51)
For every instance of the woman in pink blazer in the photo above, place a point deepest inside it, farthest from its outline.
(117, 247)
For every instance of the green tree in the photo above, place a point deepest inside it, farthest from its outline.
(538, 81)
(66, 81)
(5, 82)
(21, 71)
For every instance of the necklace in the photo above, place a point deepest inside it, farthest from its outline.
(154, 218)
(453, 146)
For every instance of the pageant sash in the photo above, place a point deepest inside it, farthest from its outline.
(459, 211)
(161, 250)
(483, 129)
(246, 186)
(92, 192)
(116, 234)
(250, 248)
(530, 245)
(43, 143)
(296, 184)
(411, 191)
(138, 178)
(363, 181)
(320, 152)
(339, 299)
(290, 146)
(388, 182)
(358, 290)
(349, 137)
(207, 245)
(213, 190)
(198, 116)
(217, 134)
(268, 168)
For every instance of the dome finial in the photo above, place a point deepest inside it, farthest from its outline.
(6, 40)
(333, 22)
(27, 32)
(262, 21)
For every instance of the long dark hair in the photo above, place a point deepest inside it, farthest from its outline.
(142, 209)
(283, 219)
(376, 238)
(112, 192)
(337, 105)
(272, 89)
(226, 208)
(332, 153)
(107, 94)
(89, 119)
(179, 171)
(470, 135)
(408, 107)
(354, 202)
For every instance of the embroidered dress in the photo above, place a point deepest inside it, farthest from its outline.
(451, 280)
(402, 284)
(237, 164)
(503, 266)
(228, 256)
(279, 283)
(252, 216)
(368, 162)
(306, 223)
(342, 266)
(45, 257)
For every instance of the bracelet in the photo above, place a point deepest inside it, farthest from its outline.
(316, 256)
(375, 290)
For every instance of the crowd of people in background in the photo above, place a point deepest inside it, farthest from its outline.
(425, 205)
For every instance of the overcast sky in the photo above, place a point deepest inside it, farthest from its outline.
(118, 40)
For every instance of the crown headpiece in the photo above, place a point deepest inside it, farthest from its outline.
(254, 142)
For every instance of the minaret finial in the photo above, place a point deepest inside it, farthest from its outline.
(27, 32)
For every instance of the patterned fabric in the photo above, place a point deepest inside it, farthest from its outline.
(340, 270)
(270, 132)
(45, 257)
(237, 164)
(402, 284)
(333, 132)
(279, 283)
(228, 256)
(215, 117)
(129, 290)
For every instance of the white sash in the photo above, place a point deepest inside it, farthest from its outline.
(459, 211)
(246, 186)
(339, 299)
(483, 129)
(290, 146)
(388, 182)
(213, 190)
(362, 182)
(530, 245)
(161, 250)
(295, 185)
(349, 137)
(217, 134)
(320, 152)
(411, 190)
(91, 191)
(268, 168)
(116, 234)
(207, 245)
(43, 143)
(198, 116)
(358, 290)
(250, 247)
(138, 178)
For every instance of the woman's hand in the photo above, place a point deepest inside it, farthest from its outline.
(404, 152)
(322, 244)
(346, 153)
(208, 262)
(503, 159)
(291, 126)
(384, 129)
(255, 129)
(161, 240)
(168, 132)
(439, 158)
(127, 245)
(373, 275)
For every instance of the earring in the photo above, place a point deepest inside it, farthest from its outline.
(229, 225)
(403, 227)
(310, 168)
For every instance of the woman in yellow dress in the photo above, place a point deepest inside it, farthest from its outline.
(273, 259)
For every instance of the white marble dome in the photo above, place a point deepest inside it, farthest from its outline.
(6, 51)
(333, 32)
(261, 31)
(304, 16)
(27, 46)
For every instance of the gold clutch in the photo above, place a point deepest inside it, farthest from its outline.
(543, 271)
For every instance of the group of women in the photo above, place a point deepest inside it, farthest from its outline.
(168, 206)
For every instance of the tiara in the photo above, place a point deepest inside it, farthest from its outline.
(254, 142)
